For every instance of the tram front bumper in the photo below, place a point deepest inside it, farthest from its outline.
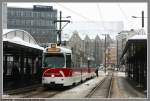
(57, 80)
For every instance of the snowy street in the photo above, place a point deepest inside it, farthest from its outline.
(121, 88)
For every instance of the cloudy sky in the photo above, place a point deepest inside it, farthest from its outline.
(97, 18)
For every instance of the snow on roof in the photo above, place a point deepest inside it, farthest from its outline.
(102, 36)
(19, 41)
(8, 30)
(92, 36)
(138, 37)
(63, 49)
(82, 36)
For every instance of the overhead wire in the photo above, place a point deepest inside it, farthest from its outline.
(76, 13)
(88, 20)
(124, 14)
(100, 15)
(102, 20)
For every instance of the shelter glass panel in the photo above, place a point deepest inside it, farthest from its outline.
(32, 41)
(10, 35)
(19, 34)
(26, 38)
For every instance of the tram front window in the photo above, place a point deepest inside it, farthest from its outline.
(54, 60)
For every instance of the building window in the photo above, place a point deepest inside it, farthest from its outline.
(38, 14)
(22, 22)
(45, 23)
(21, 13)
(27, 22)
(9, 65)
(18, 13)
(31, 21)
(17, 22)
(51, 15)
(47, 15)
(31, 14)
(12, 13)
(24, 14)
(42, 14)
(13, 22)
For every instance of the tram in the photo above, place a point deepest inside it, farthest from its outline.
(57, 68)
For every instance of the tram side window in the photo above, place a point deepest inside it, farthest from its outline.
(68, 60)
(9, 65)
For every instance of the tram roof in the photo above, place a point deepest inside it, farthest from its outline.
(20, 37)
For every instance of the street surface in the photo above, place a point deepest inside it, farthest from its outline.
(120, 89)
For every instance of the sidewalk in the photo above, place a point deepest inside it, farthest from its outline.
(128, 87)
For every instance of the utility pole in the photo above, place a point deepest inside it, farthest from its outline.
(60, 27)
(117, 55)
(105, 53)
(142, 19)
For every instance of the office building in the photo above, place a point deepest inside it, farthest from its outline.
(39, 21)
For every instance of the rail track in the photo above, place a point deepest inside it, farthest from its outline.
(41, 94)
(23, 90)
(103, 89)
(36, 91)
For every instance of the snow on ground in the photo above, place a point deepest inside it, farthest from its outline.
(125, 88)
(10, 96)
(121, 74)
(82, 90)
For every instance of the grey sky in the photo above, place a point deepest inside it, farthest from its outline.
(98, 18)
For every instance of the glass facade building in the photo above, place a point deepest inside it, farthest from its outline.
(39, 21)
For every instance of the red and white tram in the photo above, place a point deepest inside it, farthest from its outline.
(58, 69)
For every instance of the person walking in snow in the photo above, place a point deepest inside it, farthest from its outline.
(96, 71)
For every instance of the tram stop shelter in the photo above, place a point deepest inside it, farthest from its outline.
(134, 57)
(22, 59)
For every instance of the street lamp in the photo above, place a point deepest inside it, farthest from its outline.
(68, 16)
(88, 63)
(141, 17)
(135, 17)
(105, 52)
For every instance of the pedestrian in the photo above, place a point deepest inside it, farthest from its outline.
(96, 70)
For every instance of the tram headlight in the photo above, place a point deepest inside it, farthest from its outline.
(52, 75)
